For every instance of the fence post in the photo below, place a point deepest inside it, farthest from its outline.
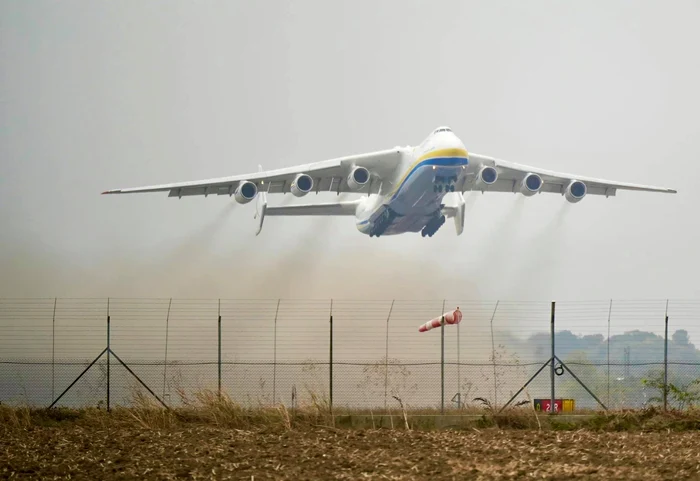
(459, 372)
(386, 355)
(666, 359)
(109, 350)
(53, 351)
(442, 358)
(551, 370)
(493, 358)
(274, 355)
(608, 343)
(330, 363)
(219, 349)
(165, 365)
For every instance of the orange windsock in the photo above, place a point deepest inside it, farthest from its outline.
(451, 317)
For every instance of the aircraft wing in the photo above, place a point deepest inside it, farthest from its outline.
(510, 176)
(328, 176)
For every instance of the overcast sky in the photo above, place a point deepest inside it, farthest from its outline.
(102, 95)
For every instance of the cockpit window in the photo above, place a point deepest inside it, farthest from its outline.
(442, 129)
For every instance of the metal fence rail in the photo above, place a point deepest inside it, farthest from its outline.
(349, 354)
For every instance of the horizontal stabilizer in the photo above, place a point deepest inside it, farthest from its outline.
(331, 208)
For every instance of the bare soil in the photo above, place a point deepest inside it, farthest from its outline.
(75, 451)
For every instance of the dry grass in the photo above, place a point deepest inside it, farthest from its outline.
(211, 437)
(209, 408)
(15, 418)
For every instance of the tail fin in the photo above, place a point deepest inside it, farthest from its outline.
(459, 216)
(260, 207)
(457, 212)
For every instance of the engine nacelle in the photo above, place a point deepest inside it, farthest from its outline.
(302, 185)
(531, 184)
(245, 192)
(358, 178)
(487, 176)
(575, 191)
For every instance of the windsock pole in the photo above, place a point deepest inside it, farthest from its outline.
(442, 366)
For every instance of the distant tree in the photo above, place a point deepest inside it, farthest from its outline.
(593, 341)
(642, 346)
(540, 344)
(680, 338)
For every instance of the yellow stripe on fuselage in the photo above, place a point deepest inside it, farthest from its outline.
(455, 152)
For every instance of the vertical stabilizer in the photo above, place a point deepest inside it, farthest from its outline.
(455, 211)
(459, 214)
(260, 207)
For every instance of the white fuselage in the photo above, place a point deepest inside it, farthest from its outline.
(408, 202)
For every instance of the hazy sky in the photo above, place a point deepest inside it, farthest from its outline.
(101, 95)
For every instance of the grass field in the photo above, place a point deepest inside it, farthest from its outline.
(213, 438)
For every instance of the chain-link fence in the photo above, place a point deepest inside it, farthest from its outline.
(355, 355)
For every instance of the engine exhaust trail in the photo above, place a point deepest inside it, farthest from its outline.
(176, 267)
(540, 252)
(277, 276)
(499, 237)
(202, 240)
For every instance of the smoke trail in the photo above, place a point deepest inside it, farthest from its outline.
(491, 250)
(167, 272)
(203, 239)
(539, 254)
(298, 264)
(359, 268)
(282, 272)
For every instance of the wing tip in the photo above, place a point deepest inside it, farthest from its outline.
(116, 191)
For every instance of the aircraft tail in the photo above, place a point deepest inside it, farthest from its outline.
(457, 212)
(260, 207)
(324, 209)
(332, 208)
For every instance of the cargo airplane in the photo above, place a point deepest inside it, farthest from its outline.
(403, 189)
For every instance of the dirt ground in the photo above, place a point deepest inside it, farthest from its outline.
(206, 452)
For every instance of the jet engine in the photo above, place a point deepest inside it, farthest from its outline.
(358, 178)
(531, 184)
(486, 176)
(575, 191)
(301, 185)
(245, 192)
